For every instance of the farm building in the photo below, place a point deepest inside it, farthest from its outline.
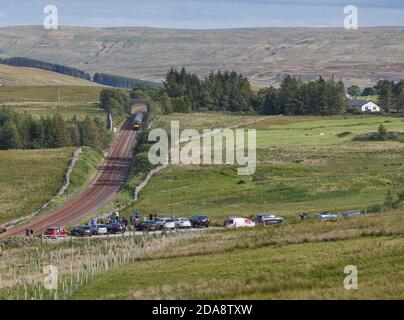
(364, 106)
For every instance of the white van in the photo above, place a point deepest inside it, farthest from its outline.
(236, 222)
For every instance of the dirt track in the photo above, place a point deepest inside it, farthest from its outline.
(110, 178)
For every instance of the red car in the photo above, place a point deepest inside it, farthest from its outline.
(55, 232)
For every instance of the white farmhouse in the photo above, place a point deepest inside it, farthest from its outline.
(365, 106)
(370, 107)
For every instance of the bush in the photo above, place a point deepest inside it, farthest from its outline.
(382, 132)
(392, 200)
(376, 208)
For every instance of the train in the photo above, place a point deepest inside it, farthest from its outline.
(138, 120)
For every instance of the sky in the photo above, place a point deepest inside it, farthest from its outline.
(203, 14)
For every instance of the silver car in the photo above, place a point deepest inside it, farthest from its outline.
(326, 216)
(349, 214)
(182, 223)
(166, 224)
(99, 229)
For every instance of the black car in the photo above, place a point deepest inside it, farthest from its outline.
(116, 227)
(81, 231)
(147, 225)
(200, 222)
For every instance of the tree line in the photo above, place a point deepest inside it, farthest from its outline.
(230, 91)
(119, 81)
(31, 63)
(22, 131)
(101, 78)
(391, 95)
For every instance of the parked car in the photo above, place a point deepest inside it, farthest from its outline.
(182, 223)
(2, 230)
(236, 222)
(268, 219)
(349, 214)
(165, 224)
(56, 232)
(98, 229)
(116, 227)
(326, 215)
(200, 222)
(147, 225)
(81, 231)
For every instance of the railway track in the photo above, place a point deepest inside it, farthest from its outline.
(111, 176)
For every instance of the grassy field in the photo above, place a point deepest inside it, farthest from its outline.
(299, 259)
(24, 189)
(295, 173)
(43, 100)
(20, 76)
(369, 98)
(29, 178)
(200, 121)
(280, 131)
(294, 261)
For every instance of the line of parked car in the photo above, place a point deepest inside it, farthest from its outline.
(116, 226)
(271, 219)
(331, 216)
(173, 223)
(261, 219)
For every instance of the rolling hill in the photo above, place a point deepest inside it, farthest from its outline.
(263, 54)
(19, 76)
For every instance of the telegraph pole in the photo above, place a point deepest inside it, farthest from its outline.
(171, 200)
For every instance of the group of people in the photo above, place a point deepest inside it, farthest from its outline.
(134, 218)
(29, 233)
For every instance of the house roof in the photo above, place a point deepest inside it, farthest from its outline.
(357, 103)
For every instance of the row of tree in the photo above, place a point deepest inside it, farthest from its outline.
(101, 78)
(119, 81)
(230, 91)
(22, 131)
(295, 97)
(391, 95)
(31, 63)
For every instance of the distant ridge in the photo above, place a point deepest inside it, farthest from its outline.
(264, 55)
